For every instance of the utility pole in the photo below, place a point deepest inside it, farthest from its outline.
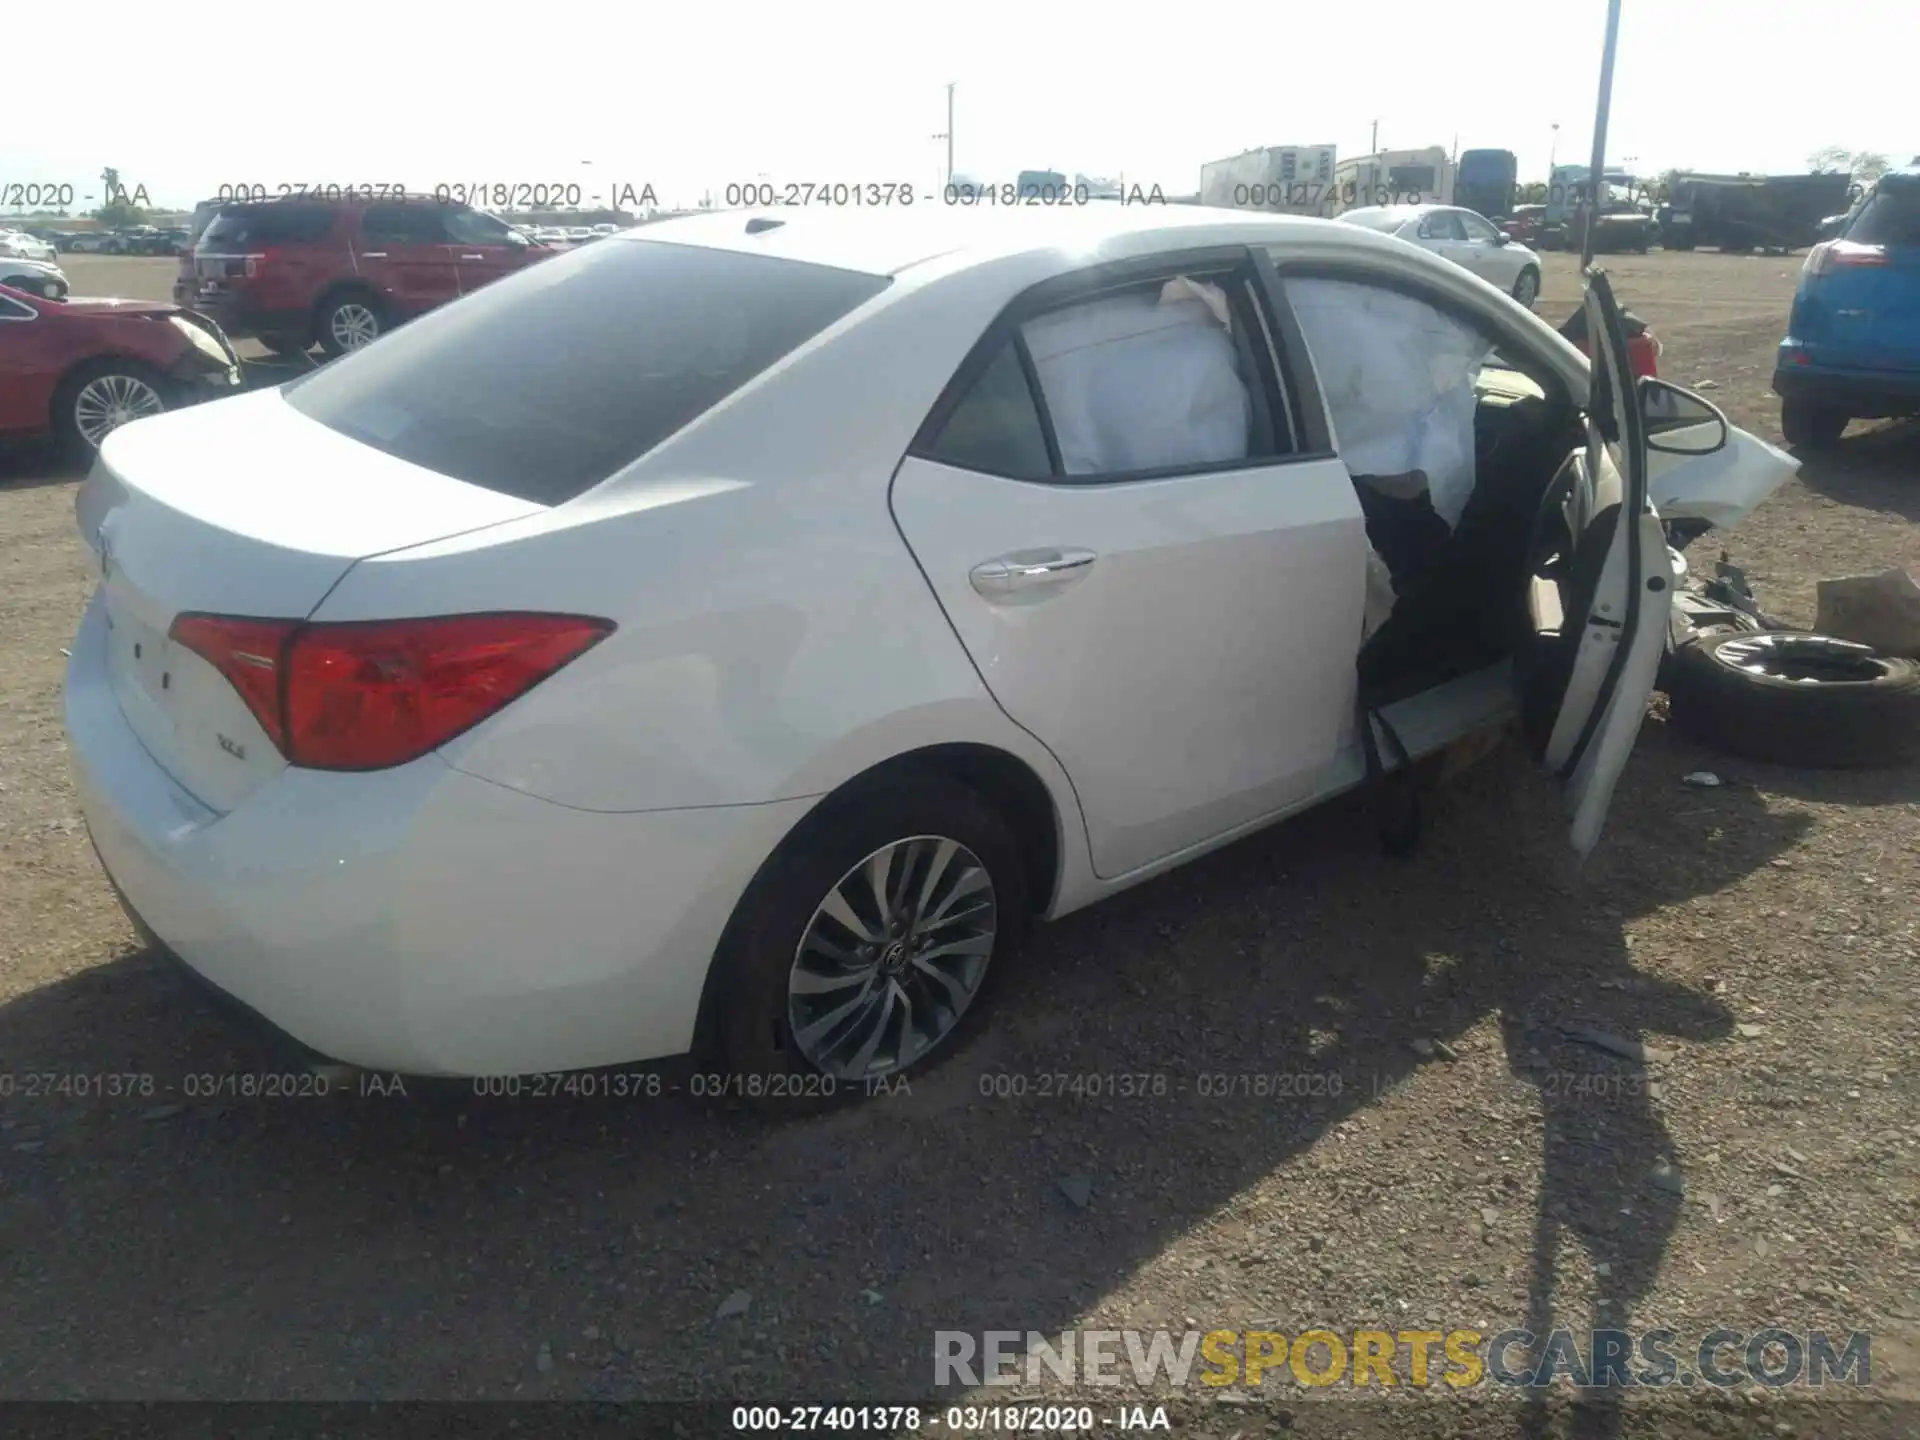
(1601, 107)
(1373, 146)
(947, 134)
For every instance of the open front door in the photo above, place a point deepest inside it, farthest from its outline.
(1601, 598)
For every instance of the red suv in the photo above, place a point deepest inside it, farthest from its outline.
(338, 273)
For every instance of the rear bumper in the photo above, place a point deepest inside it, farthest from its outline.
(241, 321)
(1863, 394)
(419, 919)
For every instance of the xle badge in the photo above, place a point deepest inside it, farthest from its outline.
(232, 747)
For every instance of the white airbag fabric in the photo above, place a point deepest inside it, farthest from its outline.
(1138, 382)
(1398, 376)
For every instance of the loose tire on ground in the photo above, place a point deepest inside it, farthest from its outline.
(1811, 426)
(758, 1057)
(1791, 698)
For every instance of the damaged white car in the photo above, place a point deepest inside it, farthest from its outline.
(735, 660)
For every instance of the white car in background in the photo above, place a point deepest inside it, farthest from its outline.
(803, 601)
(34, 277)
(23, 246)
(1462, 236)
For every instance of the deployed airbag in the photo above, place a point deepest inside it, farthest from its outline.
(1398, 376)
(1140, 382)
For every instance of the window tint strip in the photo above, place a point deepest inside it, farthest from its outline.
(1032, 374)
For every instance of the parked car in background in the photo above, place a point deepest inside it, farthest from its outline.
(20, 244)
(133, 240)
(35, 277)
(1852, 349)
(576, 234)
(88, 242)
(661, 650)
(340, 273)
(79, 369)
(186, 284)
(1469, 240)
(606, 229)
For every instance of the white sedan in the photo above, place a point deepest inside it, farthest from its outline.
(802, 602)
(23, 246)
(1463, 237)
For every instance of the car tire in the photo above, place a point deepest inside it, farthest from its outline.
(1791, 698)
(344, 314)
(771, 984)
(102, 386)
(1806, 424)
(1526, 287)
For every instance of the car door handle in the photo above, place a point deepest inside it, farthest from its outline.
(1029, 570)
(373, 254)
(473, 257)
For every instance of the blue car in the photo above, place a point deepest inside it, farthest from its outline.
(1852, 350)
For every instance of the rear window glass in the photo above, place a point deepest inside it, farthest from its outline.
(1890, 217)
(254, 225)
(543, 384)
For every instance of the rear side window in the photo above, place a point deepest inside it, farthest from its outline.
(250, 227)
(1891, 217)
(996, 429)
(544, 384)
(416, 223)
(1158, 378)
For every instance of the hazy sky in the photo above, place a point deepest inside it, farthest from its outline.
(690, 97)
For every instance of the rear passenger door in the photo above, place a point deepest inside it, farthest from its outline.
(404, 251)
(1147, 548)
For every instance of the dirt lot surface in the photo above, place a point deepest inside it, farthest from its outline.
(1764, 1170)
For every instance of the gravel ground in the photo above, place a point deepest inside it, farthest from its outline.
(1477, 1168)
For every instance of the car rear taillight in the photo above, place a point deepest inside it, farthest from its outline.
(365, 695)
(1833, 255)
(255, 261)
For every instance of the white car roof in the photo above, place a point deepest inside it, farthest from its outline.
(888, 242)
(1390, 216)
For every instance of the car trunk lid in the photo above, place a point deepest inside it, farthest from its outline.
(246, 508)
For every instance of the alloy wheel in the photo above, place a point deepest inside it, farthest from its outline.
(107, 402)
(1804, 659)
(892, 958)
(353, 325)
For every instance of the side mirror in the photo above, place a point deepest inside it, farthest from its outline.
(1500, 237)
(1679, 422)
